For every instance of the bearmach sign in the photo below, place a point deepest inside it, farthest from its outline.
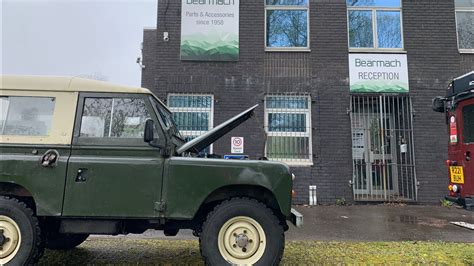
(210, 30)
(378, 73)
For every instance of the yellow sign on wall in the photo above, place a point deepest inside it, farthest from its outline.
(457, 174)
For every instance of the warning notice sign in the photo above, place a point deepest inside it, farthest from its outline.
(237, 145)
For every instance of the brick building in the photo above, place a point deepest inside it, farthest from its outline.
(344, 87)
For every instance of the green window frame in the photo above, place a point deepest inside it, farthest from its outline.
(127, 132)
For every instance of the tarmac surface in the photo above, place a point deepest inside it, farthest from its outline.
(369, 223)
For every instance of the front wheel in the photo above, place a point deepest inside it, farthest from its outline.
(242, 231)
(20, 233)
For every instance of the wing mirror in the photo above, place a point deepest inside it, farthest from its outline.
(149, 137)
(439, 104)
(149, 131)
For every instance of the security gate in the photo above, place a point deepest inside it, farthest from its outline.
(383, 148)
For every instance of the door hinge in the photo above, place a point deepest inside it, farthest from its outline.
(160, 206)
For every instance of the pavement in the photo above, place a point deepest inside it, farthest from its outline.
(368, 223)
(384, 223)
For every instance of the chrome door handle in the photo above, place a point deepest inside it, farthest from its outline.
(50, 158)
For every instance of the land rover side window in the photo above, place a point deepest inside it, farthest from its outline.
(26, 116)
(465, 25)
(288, 128)
(287, 24)
(468, 121)
(375, 24)
(193, 114)
(114, 118)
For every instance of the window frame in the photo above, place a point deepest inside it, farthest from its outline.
(456, 10)
(469, 141)
(62, 121)
(112, 141)
(374, 10)
(189, 133)
(308, 133)
(291, 8)
(2, 128)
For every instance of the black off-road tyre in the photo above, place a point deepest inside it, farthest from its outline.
(232, 209)
(30, 243)
(58, 241)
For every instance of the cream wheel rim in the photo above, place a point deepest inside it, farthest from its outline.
(242, 241)
(10, 239)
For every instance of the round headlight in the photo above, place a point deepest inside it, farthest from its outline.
(455, 188)
(293, 176)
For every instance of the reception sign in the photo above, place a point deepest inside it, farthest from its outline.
(210, 30)
(378, 73)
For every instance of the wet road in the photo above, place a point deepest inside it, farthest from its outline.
(370, 223)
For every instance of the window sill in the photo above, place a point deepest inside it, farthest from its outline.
(378, 51)
(295, 164)
(466, 51)
(303, 50)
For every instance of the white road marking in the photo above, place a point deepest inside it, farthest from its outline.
(463, 224)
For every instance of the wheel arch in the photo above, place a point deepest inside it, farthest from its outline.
(256, 192)
(19, 192)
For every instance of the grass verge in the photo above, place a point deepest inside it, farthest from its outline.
(119, 251)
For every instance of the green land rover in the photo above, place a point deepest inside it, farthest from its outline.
(81, 157)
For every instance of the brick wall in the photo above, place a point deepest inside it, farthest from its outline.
(430, 42)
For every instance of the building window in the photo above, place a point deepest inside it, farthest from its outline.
(288, 128)
(193, 113)
(465, 25)
(287, 24)
(375, 24)
(26, 116)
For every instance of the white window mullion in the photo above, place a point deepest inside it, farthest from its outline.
(285, 8)
(302, 148)
(374, 10)
(374, 29)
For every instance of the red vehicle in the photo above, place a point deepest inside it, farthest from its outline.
(459, 108)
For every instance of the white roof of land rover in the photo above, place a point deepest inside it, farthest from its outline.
(70, 84)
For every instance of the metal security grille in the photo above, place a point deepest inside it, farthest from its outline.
(383, 148)
(193, 113)
(288, 128)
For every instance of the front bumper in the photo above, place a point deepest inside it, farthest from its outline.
(457, 200)
(467, 203)
(296, 218)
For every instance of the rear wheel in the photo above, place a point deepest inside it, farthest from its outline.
(58, 241)
(20, 233)
(242, 231)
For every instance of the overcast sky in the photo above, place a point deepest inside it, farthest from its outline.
(75, 37)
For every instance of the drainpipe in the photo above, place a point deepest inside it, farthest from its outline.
(313, 198)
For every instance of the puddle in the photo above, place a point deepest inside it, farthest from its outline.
(406, 219)
(427, 221)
